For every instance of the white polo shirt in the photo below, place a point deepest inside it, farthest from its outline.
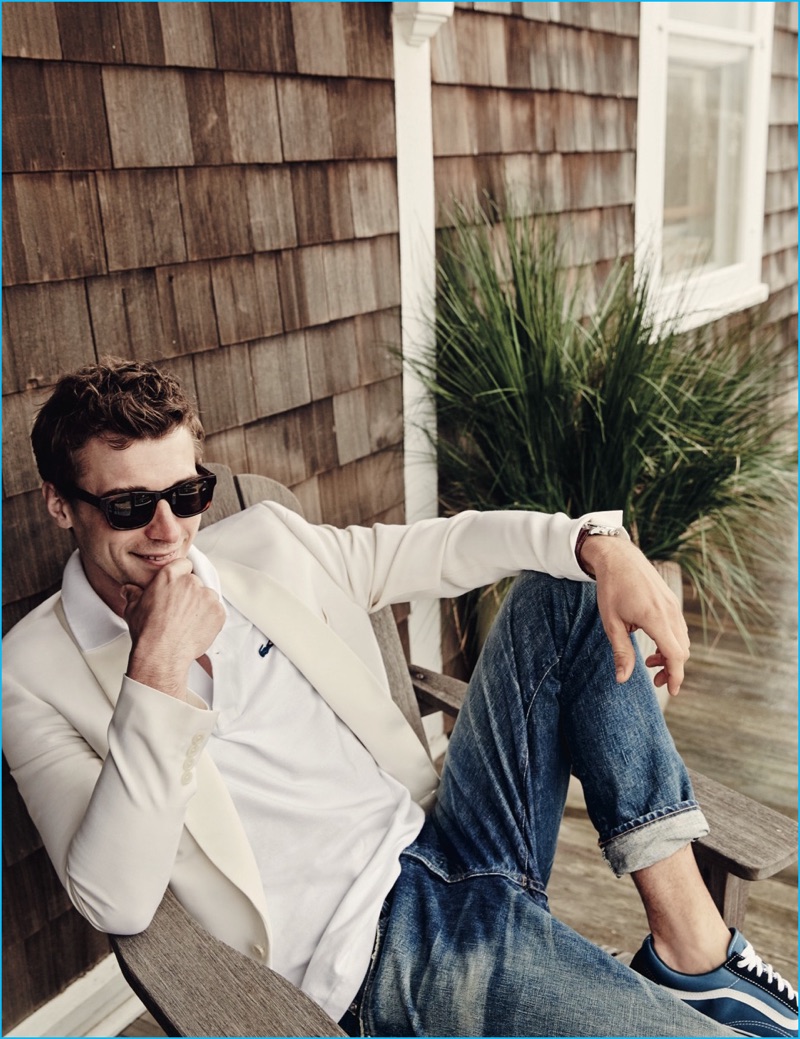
(326, 824)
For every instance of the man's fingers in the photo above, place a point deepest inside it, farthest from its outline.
(624, 654)
(674, 670)
(131, 593)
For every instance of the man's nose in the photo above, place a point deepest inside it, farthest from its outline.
(164, 526)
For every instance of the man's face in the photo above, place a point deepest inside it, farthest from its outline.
(110, 557)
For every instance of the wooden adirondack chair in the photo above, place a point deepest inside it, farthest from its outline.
(195, 985)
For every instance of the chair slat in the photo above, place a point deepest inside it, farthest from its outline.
(254, 488)
(226, 498)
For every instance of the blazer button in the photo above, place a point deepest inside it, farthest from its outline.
(259, 952)
(186, 778)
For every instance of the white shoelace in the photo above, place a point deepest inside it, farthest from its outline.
(750, 960)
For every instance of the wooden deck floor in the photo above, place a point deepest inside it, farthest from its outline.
(736, 721)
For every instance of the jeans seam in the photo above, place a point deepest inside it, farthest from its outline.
(526, 773)
(521, 880)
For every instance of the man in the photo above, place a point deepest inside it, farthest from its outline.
(210, 712)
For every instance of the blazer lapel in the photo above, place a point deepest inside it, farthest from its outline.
(336, 672)
(211, 816)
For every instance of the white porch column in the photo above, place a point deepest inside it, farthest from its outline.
(413, 26)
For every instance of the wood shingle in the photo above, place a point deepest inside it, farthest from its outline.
(255, 37)
(319, 39)
(51, 227)
(303, 293)
(126, 315)
(275, 446)
(30, 30)
(254, 128)
(305, 119)
(368, 22)
(225, 388)
(322, 202)
(142, 222)
(140, 28)
(378, 338)
(271, 207)
(89, 32)
(333, 358)
(54, 117)
(372, 134)
(246, 297)
(373, 194)
(215, 216)
(186, 305)
(19, 466)
(208, 116)
(280, 373)
(187, 34)
(148, 117)
(48, 330)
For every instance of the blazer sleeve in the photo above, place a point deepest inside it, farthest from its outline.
(109, 804)
(440, 557)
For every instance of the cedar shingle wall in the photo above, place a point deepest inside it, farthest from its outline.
(779, 269)
(212, 185)
(543, 111)
(542, 107)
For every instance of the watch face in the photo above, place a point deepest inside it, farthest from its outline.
(598, 528)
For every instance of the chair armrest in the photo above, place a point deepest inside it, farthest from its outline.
(747, 839)
(195, 985)
(438, 692)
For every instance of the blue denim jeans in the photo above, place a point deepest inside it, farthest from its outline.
(466, 944)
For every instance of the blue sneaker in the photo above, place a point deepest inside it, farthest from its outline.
(744, 993)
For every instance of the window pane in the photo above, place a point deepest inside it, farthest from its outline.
(721, 15)
(704, 155)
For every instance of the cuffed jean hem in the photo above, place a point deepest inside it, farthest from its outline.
(650, 840)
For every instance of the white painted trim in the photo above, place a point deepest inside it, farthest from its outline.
(99, 1003)
(417, 223)
(720, 291)
(419, 22)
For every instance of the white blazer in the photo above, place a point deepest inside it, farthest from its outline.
(114, 774)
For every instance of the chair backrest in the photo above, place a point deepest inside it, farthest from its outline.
(238, 492)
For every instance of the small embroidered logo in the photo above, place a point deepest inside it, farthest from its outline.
(263, 650)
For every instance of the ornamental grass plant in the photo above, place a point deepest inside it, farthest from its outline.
(544, 405)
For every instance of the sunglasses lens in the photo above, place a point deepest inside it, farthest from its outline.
(129, 511)
(193, 497)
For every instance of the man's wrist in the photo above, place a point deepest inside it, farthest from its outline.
(169, 678)
(589, 545)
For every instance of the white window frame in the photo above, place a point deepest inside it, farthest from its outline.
(703, 296)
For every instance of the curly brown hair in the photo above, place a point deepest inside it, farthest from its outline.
(120, 401)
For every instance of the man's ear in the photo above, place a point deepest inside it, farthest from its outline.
(57, 505)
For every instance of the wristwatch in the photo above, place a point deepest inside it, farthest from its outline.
(590, 529)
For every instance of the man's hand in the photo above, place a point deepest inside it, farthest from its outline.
(631, 595)
(172, 622)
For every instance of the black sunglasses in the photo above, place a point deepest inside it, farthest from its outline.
(129, 510)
